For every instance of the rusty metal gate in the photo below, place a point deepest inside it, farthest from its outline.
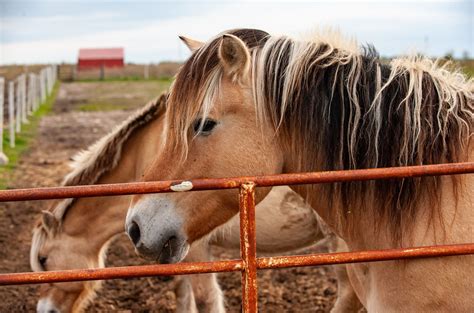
(248, 264)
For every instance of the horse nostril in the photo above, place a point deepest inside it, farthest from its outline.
(134, 232)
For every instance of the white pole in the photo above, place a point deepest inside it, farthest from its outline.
(45, 84)
(51, 70)
(146, 72)
(38, 91)
(11, 112)
(33, 92)
(18, 106)
(23, 99)
(3, 157)
(42, 87)
(50, 79)
(48, 82)
(29, 99)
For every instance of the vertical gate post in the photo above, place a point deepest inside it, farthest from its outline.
(3, 157)
(11, 112)
(248, 248)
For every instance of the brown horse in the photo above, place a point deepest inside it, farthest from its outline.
(77, 232)
(247, 103)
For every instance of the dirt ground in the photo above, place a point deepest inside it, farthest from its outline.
(61, 134)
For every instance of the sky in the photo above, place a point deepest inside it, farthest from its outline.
(41, 31)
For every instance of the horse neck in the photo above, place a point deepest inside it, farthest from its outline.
(99, 219)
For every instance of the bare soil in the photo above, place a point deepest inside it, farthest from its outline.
(61, 135)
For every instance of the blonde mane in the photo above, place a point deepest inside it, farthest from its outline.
(339, 107)
(89, 165)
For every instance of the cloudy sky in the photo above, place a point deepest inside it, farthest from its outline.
(40, 31)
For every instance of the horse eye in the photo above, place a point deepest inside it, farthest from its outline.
(42, 261)
(204, 128)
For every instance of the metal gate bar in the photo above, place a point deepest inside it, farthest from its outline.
(236, 182)
(233, 265)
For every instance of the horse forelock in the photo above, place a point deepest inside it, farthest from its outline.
(339, 108)
(196, 86)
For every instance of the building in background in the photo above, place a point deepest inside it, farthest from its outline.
(100, 58)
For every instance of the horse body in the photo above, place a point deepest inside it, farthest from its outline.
(247, 103)
(77, 232)
(423, 285)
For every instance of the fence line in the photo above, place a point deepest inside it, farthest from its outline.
(25, 95)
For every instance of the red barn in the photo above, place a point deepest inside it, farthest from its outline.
(97, 58)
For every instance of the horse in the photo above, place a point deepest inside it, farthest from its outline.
(76, 233)
(248, 103)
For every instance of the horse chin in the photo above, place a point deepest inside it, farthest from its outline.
(175, 254)
(173, 251)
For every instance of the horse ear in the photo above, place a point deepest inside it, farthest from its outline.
(50, 222)
(235, 57)
(192, 44)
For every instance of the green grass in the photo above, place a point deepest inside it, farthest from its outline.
(24, 138)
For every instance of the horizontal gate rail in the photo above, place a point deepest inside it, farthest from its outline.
(248, 263)
(229, 183)
(234, 265)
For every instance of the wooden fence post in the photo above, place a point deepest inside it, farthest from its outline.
(11, 112)
(146, 71)
(42, 86)
(3, 157)
(38, 91)
(30, 93)
(24, 118)
(18, 106)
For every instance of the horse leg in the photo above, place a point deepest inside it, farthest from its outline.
(200, 292)
(185, 301)
(347, 300)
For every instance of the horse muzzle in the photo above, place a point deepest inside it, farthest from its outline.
(156, 231)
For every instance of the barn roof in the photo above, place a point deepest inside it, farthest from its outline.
(106, 53)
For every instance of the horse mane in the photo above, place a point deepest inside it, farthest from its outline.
(340, 108)
(90, 165)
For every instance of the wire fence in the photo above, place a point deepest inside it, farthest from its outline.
(249, 263)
